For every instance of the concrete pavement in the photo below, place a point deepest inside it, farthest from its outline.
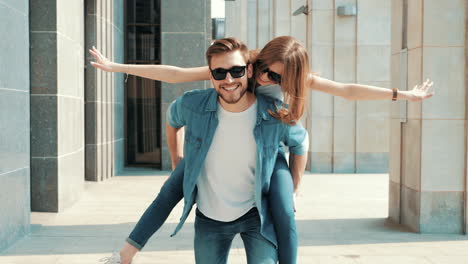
(341, 219)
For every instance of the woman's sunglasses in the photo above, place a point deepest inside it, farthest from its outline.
(236, 72)
(273, 76)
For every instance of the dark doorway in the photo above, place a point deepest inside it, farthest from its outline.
(143, 96)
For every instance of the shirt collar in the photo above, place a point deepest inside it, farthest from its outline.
(212, 104)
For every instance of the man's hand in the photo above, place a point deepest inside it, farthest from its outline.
(127, 253)
(102, 62)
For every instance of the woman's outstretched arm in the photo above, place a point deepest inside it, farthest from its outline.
(353, 91)
(164, 73)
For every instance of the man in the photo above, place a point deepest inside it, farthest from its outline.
(231, 145)
(229, 157)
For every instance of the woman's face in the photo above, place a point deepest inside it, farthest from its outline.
(276, 67)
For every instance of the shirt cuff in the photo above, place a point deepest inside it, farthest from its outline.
(302, 148)
(169, 118)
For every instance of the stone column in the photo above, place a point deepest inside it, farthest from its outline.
(373, 68)
(104, 91)
(321, 48)
(349, 136)
(57, 105)
(14, 121)
(236, 19)
(185, 36)
(119, 86)
(345, 70)
(428, 140)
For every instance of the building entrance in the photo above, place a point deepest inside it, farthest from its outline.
(143, 96)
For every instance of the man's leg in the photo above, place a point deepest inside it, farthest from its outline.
(213, 240)
(258, 249)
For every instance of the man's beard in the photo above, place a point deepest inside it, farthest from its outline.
(233, 100)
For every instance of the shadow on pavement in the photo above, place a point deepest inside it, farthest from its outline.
(87, 239)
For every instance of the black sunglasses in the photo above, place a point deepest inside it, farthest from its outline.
(273, 76)
(236, 72)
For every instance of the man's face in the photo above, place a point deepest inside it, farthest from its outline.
(230, 89)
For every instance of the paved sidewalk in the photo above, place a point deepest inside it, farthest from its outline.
(341, 219)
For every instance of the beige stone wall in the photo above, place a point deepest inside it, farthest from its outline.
(15, 165)
(57, 104)
(185, 36)
(346, 136)
(428, 162)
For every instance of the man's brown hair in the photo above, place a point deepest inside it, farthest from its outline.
(225, 45)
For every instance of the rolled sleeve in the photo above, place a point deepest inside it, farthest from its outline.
(297, 139)
(174, 114)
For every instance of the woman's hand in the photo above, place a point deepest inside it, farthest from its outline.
(102, 62)
(421, 91)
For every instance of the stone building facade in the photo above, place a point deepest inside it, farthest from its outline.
(388, 43)
(345, 136)
(63, 122)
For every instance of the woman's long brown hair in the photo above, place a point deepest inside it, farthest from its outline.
(293, 55)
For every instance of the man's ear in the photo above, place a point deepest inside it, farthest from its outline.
(249, 70)
(211, 77)
(212, 81)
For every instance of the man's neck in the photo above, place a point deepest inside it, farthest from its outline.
(243, 104)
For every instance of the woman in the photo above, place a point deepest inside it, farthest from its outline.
(281, 70)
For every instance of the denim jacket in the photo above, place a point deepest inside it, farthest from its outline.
(197, 111)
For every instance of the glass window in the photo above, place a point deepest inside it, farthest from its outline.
(143, 96)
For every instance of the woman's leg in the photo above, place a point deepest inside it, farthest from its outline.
(282, 208)
(156, 214)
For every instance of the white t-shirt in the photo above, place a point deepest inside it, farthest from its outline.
(226, 185)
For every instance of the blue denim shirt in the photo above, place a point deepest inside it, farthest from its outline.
(197, 111)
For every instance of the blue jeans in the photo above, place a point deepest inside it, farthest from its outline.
(281, 199)
(280, 195)
(156, 214)
(213, 239)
